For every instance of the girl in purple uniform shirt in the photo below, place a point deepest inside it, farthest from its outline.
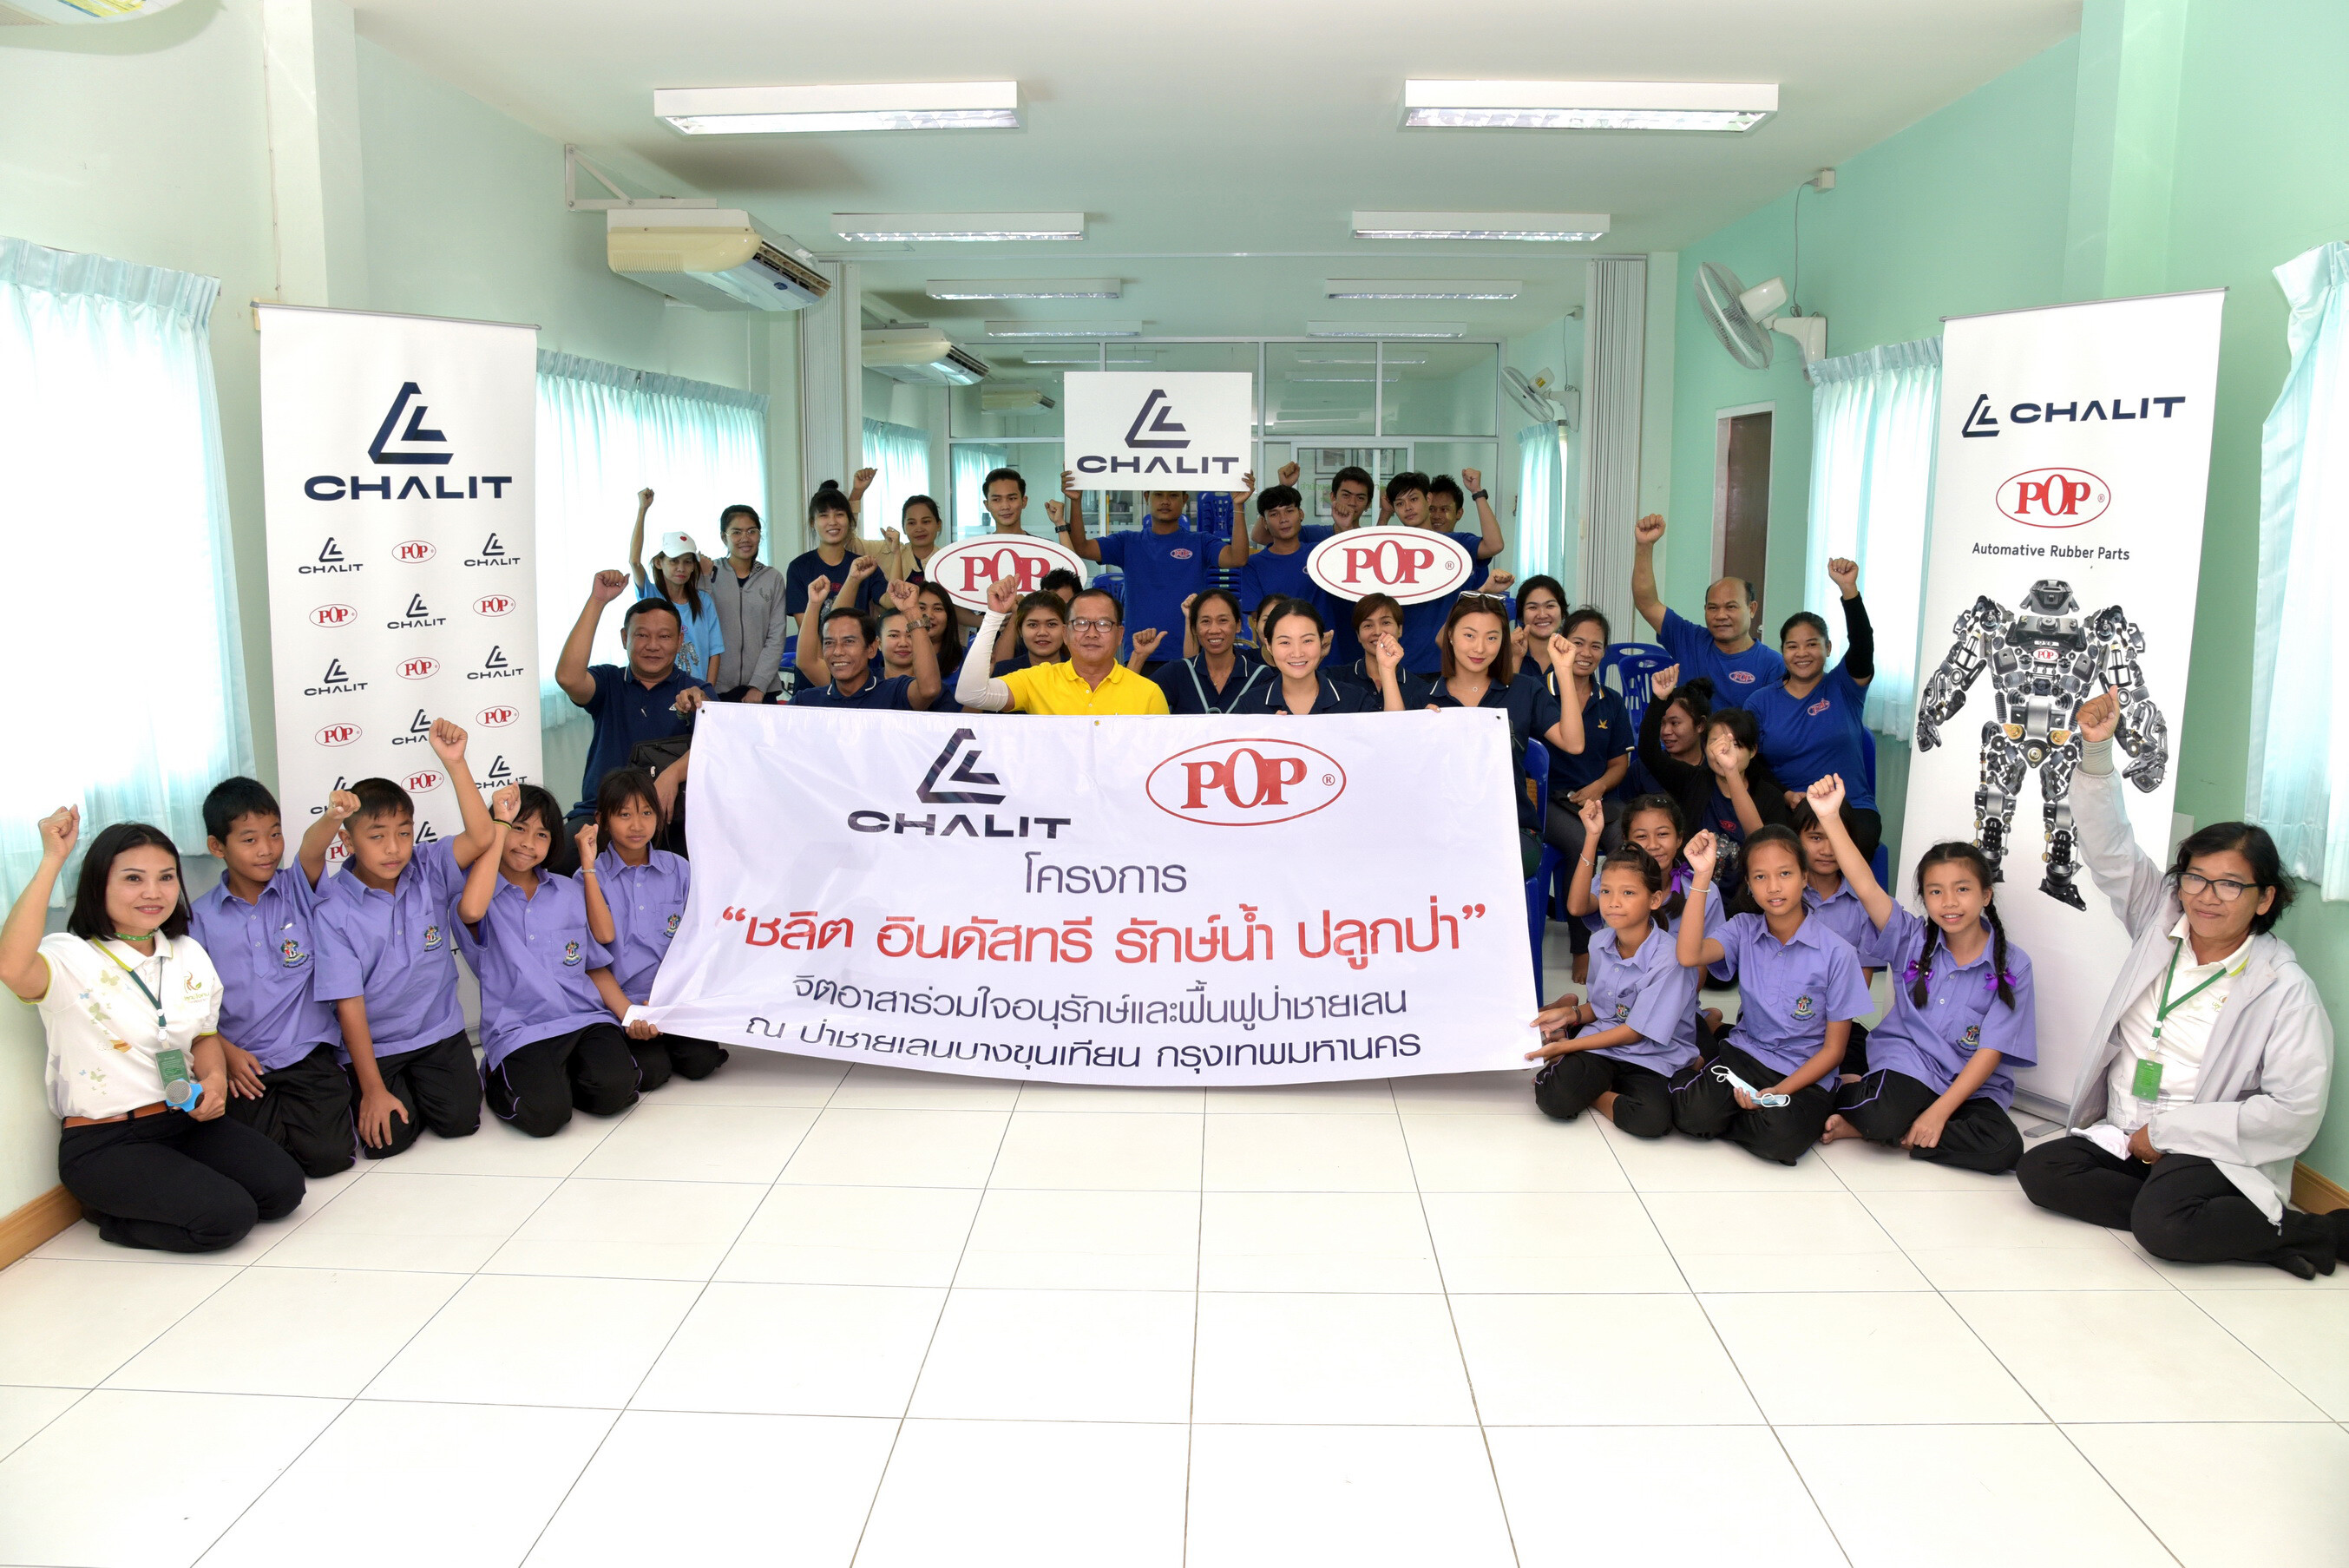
(1962, 1014)
(635, 900)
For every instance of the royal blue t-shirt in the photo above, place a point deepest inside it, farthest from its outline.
(1162, 570)
(1805, 739)
(805, 569)
(1735, 676)
(1266, 574)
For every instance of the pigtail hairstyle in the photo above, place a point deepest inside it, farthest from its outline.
(1919, 975)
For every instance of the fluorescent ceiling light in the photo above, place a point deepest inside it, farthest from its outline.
(1358, 359)
(908, 227)
(1027, 288)
(1353, 380)
(1080, 358)
(1591, 106)
(1064, 329)
(902, 106)
(1421, 288)
(1386, 329)
(1479, 226)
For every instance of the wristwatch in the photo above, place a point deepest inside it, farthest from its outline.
(1479, 495)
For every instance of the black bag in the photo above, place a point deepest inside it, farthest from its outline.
(655, 757)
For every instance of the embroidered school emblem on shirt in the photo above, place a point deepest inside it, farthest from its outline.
(1622, 1011)
(1972, 1036)
(1803, 1008)
(290, 954)
(431, 937)
(571, 954)
(672, 924)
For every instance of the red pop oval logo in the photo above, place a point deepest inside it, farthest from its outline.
(332, 615)
(413, 551)
(493, 604)
(965, 570)
(424, 781)
(339, 734)
(421, 667)
(2054, 498)
(1412, 565)
(1247, 783)
(497, 718)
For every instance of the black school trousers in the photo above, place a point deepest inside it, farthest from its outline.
(1644, 1097)
(304, 1108)
(679, 1055)
(173, 1184)
(1703, 1106)
(438, 1086)
(1978, 1135)
(537, 1086)
(2181, 1207)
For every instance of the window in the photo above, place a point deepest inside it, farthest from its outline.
(899, 456)
(110, 433)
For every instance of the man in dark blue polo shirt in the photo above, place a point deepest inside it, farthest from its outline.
(1165, 562)
(1723, 648)
(849, 639)
(651, 699)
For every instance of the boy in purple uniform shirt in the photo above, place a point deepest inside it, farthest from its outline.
(550, 1037)
(1798, 987)
(387, 960)
(255, 925)
(1164, 563)
(635, 901)
(1833, 904)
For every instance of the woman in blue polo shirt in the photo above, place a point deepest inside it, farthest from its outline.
(1220, 676)
(1810, 719)
(1295, 640)
(1597, 729)
(1476, 673)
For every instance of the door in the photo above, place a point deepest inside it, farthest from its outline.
(1742, 497)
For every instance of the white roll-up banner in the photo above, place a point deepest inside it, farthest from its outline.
(2069, 473)
(1112, 900)
(396, 464)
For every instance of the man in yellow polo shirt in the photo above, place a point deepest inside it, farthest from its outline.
(1090, 681)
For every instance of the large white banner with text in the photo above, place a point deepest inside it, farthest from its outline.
(1114, 901)
(396, 464)
(2072, 456)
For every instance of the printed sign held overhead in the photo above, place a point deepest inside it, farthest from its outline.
(1411, 565)
(1189, 430)
(964, 569)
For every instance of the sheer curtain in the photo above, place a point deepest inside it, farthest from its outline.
(899, 456)
(111, 439)
(1542, 506)
(1872, 419)
(605, 432)
(2299, 735)
(968, 504)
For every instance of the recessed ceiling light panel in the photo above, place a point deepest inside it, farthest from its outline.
(909, 228)
(1064, 329)
(1027, 288)
(1088, 359)
(1386, 329)
(1556, 226)
(1421, 288)
(1731, 107)
(900, 106)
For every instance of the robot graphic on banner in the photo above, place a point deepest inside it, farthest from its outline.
(2046, 659)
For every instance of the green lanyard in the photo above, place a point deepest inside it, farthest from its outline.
(2165, 1006)
(152, 1000)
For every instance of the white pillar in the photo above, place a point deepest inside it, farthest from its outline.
(310, 66)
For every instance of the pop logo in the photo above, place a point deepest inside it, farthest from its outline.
(1246, 783)
(1413, 565)
(412, 551)
(426, 781)
(339, 734)
(965, 570)
(421, 667)
(332, 615)
(2054, 498)
(497, 718)
(493, 604)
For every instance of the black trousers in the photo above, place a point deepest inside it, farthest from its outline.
(2181, 1207)
(173, 1184)
(678, 1054)
(438, 1086)
(1705, 1107)
(304, 1108)
(1854, 1055)
(536, 1086)
(1643, 1097)
(1978, 1135)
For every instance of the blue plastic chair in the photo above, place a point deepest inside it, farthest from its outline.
(1537, 885)
(1633, 664)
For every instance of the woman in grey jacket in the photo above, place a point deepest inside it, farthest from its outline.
(2213, 1055)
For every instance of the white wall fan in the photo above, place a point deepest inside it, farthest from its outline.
(1745, 319)
(1542, 396)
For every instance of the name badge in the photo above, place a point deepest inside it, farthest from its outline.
(2146, 1084)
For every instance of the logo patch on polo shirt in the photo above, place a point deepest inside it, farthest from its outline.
(1804, 1008)
(670, 930)
(1972, 1037)
(433, 936)
(1818, 707)
(572, 955)
(1179, 553)
(1743, 678)
(290, 954)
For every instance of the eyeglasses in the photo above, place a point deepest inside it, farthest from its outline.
(1083, 626)
(2228, 889)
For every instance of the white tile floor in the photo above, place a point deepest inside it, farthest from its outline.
(802, 1315)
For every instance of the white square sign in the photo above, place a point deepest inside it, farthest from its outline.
(1188, 431)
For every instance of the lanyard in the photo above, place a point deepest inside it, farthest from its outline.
(152, 1000)
(2165, 1006)
(1194, 665)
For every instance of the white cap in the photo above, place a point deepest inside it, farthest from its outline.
(676, 545)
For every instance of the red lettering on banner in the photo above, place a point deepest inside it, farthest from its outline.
(339, 734)
(497, 718)
(2054, 498)
(425, 781)
(1246, 783)
(413, 551)
(332, 615)
(421, 667)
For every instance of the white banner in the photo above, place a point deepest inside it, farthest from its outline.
(1112, 901)
(1411, 565)
(968, 569)
(396, 463)
(2073, 453)
(1181, 430)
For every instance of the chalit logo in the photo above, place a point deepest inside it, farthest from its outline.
(500, 773)
(966, 772)
(419, 616)
(419, 729)
(495, 666)
(416, 443)
(331, 559)
(1247, 783)
(335, 682)
(1157, 414)
(493, 553)
(404, 441)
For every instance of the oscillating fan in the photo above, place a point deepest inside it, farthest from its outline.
(1745, 319)
(1541, 395)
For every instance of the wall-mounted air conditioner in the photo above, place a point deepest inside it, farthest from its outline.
(717, 258)
(921, 354)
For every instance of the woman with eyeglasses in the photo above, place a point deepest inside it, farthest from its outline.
(2212, 1054)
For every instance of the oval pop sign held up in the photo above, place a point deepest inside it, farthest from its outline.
(1414, 566)
(966, 568)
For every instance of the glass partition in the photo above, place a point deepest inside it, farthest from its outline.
(1439, 389)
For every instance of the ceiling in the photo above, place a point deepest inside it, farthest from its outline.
(1219, 149)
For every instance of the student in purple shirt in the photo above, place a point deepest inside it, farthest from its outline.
(1652, 824)
(387, 960)
(1164, 563)
(1722, 649)
(550, 1037)
(278, 1036)
(1799, 988)
(1833, 903)
(636, 898)
(1963, 1012)
(1618, 1051)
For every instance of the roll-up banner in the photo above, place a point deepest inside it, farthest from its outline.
(1112, 901)
(2069, 473)
(397, 462)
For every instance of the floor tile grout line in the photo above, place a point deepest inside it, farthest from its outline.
(283, 1471)
(1198, 1281)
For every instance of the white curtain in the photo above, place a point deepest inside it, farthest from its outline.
(130, 698)
(2300, 734)
(972, 461)
(1872, 418)
(605, 432)
(1542, 495)
(899, 456)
